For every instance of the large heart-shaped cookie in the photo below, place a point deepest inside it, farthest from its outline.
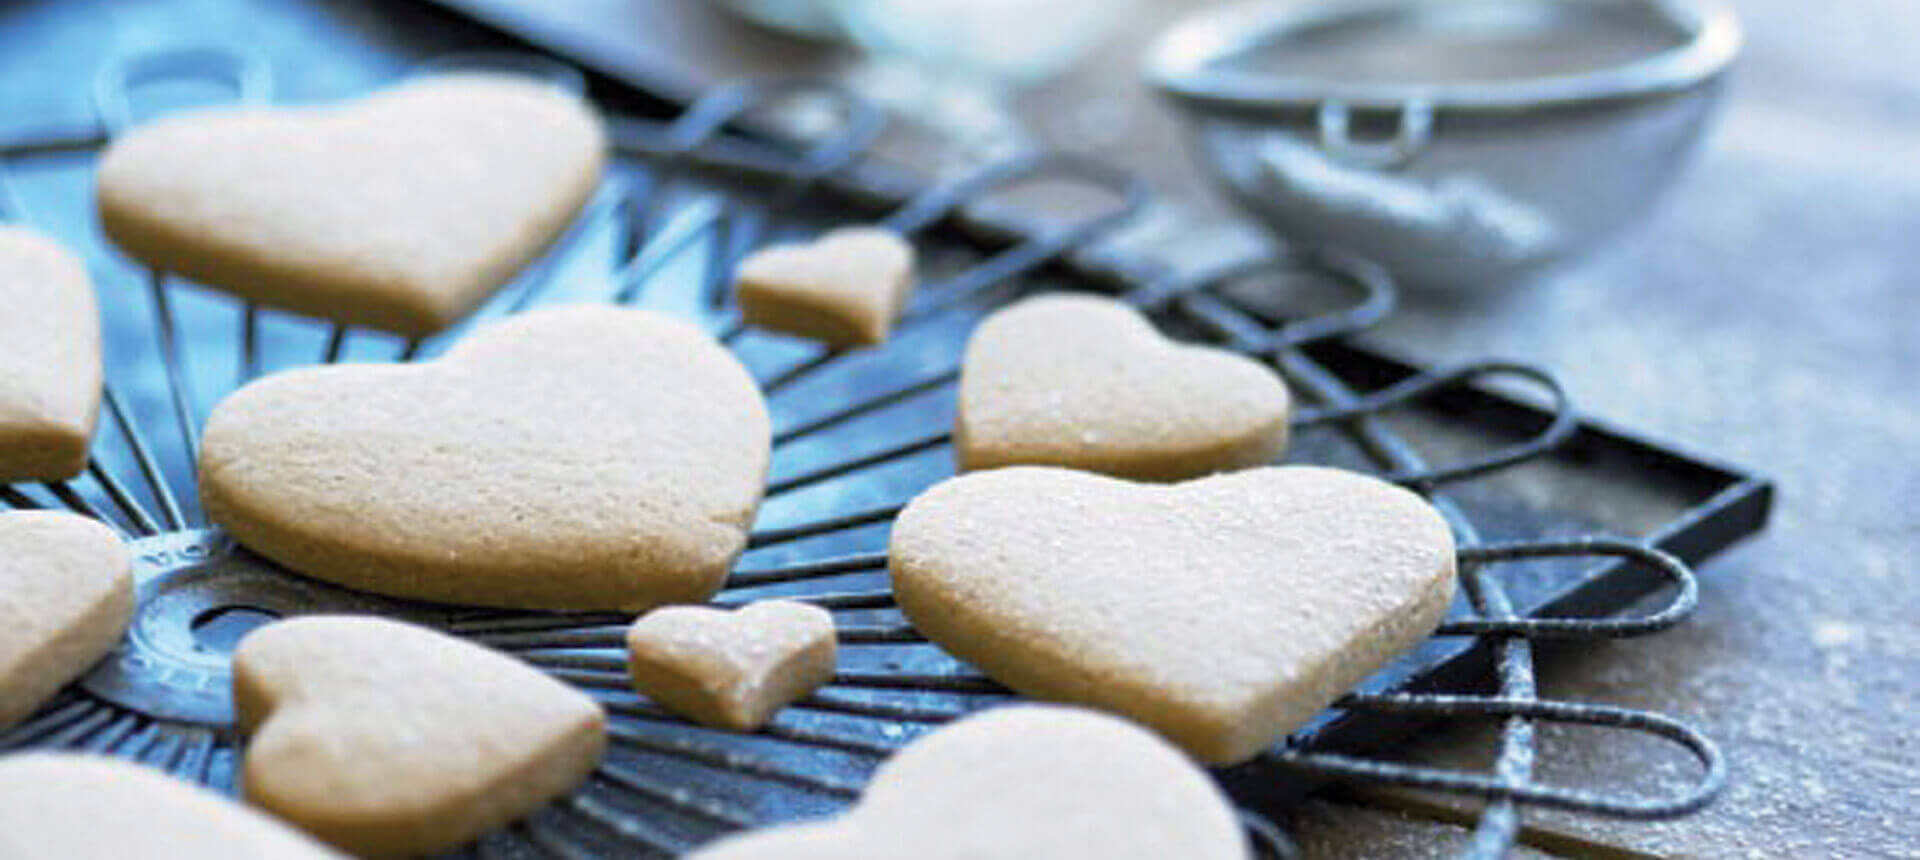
(389, 739)
(49, 359)
(401, 210)
(59, 806)
(1086, 382)
(733, 669)
(1038, 781)
(1223, 612)
(587, 457)
(843, 289)
(66, 595)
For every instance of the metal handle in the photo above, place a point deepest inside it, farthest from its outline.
(1411, 136)
(246, 73)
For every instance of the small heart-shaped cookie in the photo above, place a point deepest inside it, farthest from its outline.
(1037, 781)
(586, 457)
(400, 211)
(388, 739)
(1086, 382)
(843, 289)
(733, 669)
(1223, 612)
(49, 359)
(61, 806)
(66, 596)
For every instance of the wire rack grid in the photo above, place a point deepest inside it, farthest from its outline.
(857, 433)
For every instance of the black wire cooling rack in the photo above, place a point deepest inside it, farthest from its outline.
(857, 434)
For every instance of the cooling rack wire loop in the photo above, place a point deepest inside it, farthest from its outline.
(824, 745)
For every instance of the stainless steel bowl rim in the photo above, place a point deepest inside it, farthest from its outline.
(1182, 63)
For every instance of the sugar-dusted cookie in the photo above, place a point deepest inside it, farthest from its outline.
(49, 359)
(1086, 382)
(1223, 612)
(733, 669)
(388, 739)
(843, 289)
(400, 211)
(586, 457)
(66, 595)
(65, 806)
(1021, 781)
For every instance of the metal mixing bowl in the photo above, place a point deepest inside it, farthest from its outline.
(1464, 144)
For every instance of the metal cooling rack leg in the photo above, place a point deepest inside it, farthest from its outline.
(249, 343)
(143, 458)
(336, 343)
(1710, 783)
(1499, 824)
(1686, 590)
(64, 492)
(18, 500)
(1423, 477)
(122, 499)
(177, 378)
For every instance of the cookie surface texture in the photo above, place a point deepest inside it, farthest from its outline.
(1223, 612)
(50, 371)
(387, 739)
(401, 210)
(844, 289)
(1021, 781)
(1086, 382)
(65, 806)
(585, 457)
(66, 595)
(731, 669)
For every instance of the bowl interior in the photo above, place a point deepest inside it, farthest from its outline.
(1464, 53)
(1486, 41)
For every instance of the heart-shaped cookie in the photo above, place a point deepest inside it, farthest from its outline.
(62, 806)
(1222, 612)
(66, 595)
(843, 289)
(1038, 781)
(400, 211)
(388, 739)
(586, 457)
(49, 359)
(1086, 382)
(733, 669)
